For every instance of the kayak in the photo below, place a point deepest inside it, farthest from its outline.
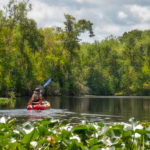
(38, 106)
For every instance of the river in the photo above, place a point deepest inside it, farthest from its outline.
(93, 108)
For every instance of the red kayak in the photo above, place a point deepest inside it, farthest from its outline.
(38, 106)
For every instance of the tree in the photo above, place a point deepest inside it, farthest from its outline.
(71, 39)
(21, 39)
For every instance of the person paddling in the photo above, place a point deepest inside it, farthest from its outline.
(37, 94)
(36, 97)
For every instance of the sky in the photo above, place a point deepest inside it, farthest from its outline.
(109, 17)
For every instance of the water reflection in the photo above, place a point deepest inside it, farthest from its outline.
(104, 109)
(123, 107)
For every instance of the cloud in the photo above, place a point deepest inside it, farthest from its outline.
(106, 30)
(143, 26)
(122, 15)
(141, 13)
(47, 15)
(3, 3)
(110, 17)
(53, 15)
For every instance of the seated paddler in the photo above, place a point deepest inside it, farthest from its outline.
(36, 97)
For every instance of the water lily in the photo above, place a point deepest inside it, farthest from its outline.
(75, 137)
(83, 122)
(33, 143)
(96, 126)
(107, 141)
(3, 120)
(13, 140)
(54, 120)
(27, 127)
(127, 126)
(123, 145)
(67, 127)
(104, 129)
(16, 131)
(27, 131)
(62, 135)
(137, 135)
(139, 126)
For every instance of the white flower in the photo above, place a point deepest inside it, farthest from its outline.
(33, 143)
(138, 127)
(16, 131)
(3, 120)
(96, 126)
(127, 126)
(137, 135)
(13, 140)
(28, 130)
(55, 132)
(76, 137)
(54, 120)
(95, 135)
(104, 129)
(83, 122)
(68, 128)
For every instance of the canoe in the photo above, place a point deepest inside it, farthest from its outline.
(38, 106)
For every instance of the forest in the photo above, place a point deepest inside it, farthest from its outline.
(29, 55)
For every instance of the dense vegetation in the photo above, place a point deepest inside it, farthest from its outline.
(29, 56)
(56, 135)
(4, 101)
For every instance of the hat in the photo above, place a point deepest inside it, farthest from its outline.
(37, 89)
(36, 92)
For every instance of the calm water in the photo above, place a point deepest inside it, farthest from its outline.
(92, 108)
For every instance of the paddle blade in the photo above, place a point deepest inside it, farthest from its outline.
(48, 82)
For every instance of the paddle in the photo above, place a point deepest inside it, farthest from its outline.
(48, 82)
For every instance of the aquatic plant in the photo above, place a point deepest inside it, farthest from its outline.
(4, 101)
(57, 134)
(12, 95)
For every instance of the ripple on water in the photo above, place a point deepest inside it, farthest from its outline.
(23, 115)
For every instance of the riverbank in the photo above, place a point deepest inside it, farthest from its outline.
(113, 96)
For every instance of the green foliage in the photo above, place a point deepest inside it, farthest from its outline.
(4, 101)
(93, 136)
(11, 94)
(29, 56)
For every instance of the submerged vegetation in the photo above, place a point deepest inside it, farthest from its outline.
(29, 56)
(56, 134)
